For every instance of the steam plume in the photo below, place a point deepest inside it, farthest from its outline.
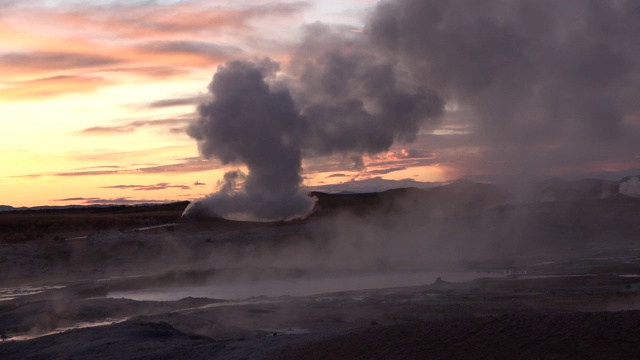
(250, 122)
(544, 80)
(347, 100)
(548, 83)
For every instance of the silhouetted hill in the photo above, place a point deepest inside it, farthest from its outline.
(551, 211)
(50, 223)
(359, 203)
(554, 205)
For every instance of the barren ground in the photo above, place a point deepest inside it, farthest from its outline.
(74, 298)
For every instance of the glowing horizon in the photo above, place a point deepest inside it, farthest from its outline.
(97, 95)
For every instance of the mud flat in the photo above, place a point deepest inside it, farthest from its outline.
(573, 317)
(555, 281)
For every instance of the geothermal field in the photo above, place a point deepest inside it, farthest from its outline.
(318, 143)
(546, 270)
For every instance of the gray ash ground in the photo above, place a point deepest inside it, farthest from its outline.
(576, 306)
(545, 318)
(567, 289)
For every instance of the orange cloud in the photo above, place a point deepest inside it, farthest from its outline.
(401, 154)
(154, 187)
(144, 40)
(45, 60)
(157, 60)
(181, 168)
(179, 102)
(143, 21)
(50, 86)
(168, 124)
(112, 157)
(186, 167)
(111, 201)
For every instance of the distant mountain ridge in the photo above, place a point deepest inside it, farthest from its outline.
(371, 185)
(4, 208)
(463, 195)
(549, 190)
(470, 192)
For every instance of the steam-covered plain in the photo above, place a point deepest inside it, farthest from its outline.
(368, 266)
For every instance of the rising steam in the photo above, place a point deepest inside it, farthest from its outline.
(347, 101)
(544, 80)
(252, 122)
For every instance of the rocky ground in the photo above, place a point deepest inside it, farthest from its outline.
(554, 282)
(500, 318)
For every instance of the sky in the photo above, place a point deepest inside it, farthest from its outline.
(96, 97)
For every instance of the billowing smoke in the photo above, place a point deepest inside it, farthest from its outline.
(543, 81)
(525, 65)
(347, 101)
(253, 122)
(546, 83)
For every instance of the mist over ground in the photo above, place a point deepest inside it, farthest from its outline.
(399, 259)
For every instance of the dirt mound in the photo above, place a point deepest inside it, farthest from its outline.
(130, 340)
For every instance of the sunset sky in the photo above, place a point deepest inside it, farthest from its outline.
(95, 97)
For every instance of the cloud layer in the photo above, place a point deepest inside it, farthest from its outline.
(149, 40)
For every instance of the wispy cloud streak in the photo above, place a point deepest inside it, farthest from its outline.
(154, 187)
(175, 168)
(134, 126)
(111, 201)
